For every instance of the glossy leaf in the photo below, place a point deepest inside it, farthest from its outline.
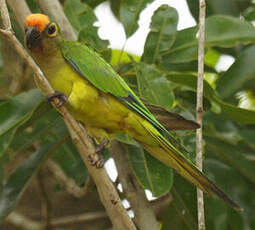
(153, 86)
(115, 7)
(129, 14)
(221, 31)
(73, 8)
(233, 155)
(93, 3)
(242, 116)
(125, 57)
(240, 72)
(183, 207)
(163, 29)
(14, 113)
(237, 187)
(149, 171)
(227, 7)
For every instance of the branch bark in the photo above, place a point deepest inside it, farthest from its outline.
(69, 184)
(199, 111)
(26, 223)
(54, 9)
(144, 216)
(20, 15)
(106, 190)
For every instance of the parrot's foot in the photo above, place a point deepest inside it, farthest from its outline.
(98, 159)
(62, 98)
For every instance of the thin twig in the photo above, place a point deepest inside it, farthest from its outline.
(144, 215)
(26, 223)
(85, 217)
(23, 222)
(45, 201)
(5, 16)
(199, 115)
(106, 189)
(69, 184)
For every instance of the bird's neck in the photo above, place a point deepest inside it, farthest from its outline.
(49, 63)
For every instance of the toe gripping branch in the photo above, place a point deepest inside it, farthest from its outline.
(97, 159)
(62, 98)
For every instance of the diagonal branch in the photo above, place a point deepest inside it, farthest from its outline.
(199, 109)
(144, 215)
(106, 189)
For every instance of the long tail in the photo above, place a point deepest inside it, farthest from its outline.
(172, 157)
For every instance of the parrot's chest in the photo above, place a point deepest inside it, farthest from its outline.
(87, 103)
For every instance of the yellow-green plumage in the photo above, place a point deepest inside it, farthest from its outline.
(98, 97)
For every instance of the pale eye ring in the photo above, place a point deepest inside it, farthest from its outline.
(52, 30)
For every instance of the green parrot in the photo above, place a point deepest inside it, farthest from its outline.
(101, 99)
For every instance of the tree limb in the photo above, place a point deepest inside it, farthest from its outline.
(144, 215)
(106, 190)
(199, 113)
(26, 223)
(54, 9)
(20, 15)
(69, 184)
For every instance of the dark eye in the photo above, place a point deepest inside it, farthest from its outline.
(52, 30)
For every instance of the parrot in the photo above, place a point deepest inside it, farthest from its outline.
(98, 97)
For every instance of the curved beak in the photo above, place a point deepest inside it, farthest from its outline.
(32, 37)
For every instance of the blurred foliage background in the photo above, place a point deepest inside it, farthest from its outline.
(35, 147)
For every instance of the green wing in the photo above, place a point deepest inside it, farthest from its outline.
(100, 74)
(95, 69)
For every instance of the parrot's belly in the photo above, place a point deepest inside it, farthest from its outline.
(101, 113)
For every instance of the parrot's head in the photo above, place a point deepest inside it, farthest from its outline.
(40, 33)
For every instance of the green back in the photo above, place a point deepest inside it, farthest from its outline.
(100, 74)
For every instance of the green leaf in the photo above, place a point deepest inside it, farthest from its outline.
(226, 7)
(233, 155)
(115, 7)
(21, 178)
(242, 116)
(211, 58)
(184, 48)
(129, 14)
(93, 3)
(226, 31)
(39, 125)
(14, 113)
(153, 85)
(124, 56)
(88, 34)
(149, 171)
(163, 29)
(82, 17)
(190, 81)
(79, 14)
(221, 31)
(236, 186)
(71, 163)
(240, 72)
(72, 9)
(183, 207)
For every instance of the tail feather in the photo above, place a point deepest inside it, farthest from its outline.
(172, 157)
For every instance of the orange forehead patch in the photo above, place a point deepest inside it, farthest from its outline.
(38, 20)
